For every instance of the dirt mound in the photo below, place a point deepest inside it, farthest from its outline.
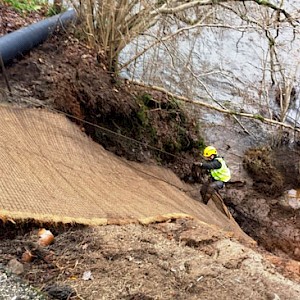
(265, 214)
(267, 179)
(273, 170)
(287, 161)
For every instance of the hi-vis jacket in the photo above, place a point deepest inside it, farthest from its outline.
(218, 169)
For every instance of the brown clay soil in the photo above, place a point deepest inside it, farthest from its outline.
(180, 259)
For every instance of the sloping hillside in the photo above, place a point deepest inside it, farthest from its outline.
(59, 174)
(158, 243)
(166, 244)
(122, 229)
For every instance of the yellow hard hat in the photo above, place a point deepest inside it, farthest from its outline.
(209, 150)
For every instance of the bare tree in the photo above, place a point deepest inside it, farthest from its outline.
(283, 75)
(112, 24)
(156, 27)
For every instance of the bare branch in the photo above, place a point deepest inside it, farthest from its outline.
(112, 24)
(221, 110)
(179, 31)
(276, 8)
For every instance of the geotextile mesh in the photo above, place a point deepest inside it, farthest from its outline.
(51, 171)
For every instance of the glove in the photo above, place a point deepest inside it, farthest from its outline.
(198, 164)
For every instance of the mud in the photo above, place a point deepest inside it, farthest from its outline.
(267, 179)
(180, 259)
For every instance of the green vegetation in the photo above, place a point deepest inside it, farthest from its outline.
(259, 117)
(142, 115)
(25, 5)
(180, 133)
(52, 11)
(146, 98)
(55, 8)
(144, 123)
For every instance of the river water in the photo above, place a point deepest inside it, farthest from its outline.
(229, 65)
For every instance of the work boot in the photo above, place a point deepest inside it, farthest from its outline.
(209, 192)
(205, 193)
(205, 198)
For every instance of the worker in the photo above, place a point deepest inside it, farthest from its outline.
(219, 173)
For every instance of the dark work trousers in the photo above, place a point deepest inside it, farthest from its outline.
(209, 188)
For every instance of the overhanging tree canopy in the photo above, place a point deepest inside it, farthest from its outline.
(112, 24)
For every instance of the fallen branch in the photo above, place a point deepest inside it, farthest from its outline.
(221, 110)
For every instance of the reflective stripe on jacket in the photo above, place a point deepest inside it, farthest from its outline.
(223, 173)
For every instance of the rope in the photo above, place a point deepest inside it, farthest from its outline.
(119, 135)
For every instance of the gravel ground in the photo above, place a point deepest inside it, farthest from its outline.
(12, 288)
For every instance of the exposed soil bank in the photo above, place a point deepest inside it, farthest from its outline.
(181, 259)
(64, 74)
(261, 207)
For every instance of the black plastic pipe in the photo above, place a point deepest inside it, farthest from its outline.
(18, 42)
